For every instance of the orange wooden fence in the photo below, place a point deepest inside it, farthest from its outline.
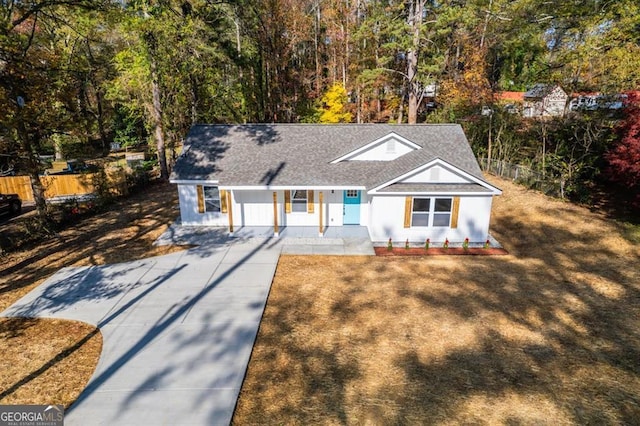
(61, 185)
(20, 185)
(67, 185)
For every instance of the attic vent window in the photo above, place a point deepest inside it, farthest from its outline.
(391, 146)
(435, 174)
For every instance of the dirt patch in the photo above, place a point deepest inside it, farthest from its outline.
(545, 335)
(49, 361)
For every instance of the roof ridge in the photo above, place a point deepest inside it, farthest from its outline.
(298, 154)
(325, 124)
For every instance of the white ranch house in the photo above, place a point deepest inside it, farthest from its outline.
(399, 181)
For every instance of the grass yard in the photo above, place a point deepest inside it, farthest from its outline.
(547, 335)
(50, 361)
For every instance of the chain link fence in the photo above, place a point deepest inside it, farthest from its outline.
(523, 175)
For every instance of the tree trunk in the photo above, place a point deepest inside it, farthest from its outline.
(486, 24)
(359, 106)
(415, 23)
(100, 119)
(489, 144)
(316, 43)
(58, 155)
(33, 164)
(156, 111)
(38, 190)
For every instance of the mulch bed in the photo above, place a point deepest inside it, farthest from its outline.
(439, 251)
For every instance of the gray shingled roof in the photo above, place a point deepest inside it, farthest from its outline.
(539, 91)
(301, 154)
(436, 187)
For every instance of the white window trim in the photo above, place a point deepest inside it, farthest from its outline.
(431, 213)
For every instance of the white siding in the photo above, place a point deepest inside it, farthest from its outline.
(303, 218)
(364, 208)
(387, 221)
(189, 209)
(474, 217)
(255, 208)
(383, 214)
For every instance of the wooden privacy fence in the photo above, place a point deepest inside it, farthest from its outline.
(60, 187)
(20, 185)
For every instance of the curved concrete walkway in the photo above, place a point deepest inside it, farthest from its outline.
(178, 331)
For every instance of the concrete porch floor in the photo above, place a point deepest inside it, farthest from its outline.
(344, 240)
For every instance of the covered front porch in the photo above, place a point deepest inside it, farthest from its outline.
(336, 240)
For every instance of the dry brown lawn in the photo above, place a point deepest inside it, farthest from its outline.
(50, 361)
(547, 335)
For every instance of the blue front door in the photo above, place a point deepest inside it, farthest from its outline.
(351, 207)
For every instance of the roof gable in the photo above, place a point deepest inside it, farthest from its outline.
(433, 175)
(386, 148)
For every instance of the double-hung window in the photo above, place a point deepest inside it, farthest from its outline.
(441, 211)
(431, 212)
(211, 199)
(420, 213)
(299, 200)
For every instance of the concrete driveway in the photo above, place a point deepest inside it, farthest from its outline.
(178, 331)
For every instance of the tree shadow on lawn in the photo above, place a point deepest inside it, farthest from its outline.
(80, 290)
(295, 379)
(547, 335)
(126, 232)
(570, 295)
(140, 217)
(79, 293)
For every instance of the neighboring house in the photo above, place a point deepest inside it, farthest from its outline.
(400, 181)
(597, 101)
(545, 100)
(584, 102)
(509, 97)
(511, 101)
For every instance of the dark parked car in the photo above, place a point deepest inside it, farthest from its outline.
(10, 203)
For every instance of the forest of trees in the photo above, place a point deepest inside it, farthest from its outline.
(86, 73)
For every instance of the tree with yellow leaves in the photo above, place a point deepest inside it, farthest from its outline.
(333, 106)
